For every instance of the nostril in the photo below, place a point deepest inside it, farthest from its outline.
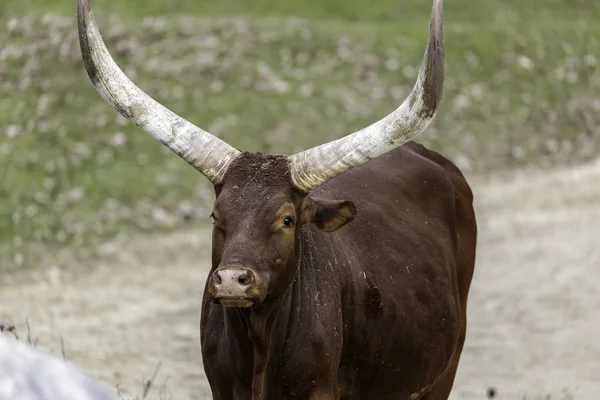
(217, 279)
(244, 278)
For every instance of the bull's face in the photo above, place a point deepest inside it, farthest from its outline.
(258, 216)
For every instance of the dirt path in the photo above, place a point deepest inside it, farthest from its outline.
(534, 306)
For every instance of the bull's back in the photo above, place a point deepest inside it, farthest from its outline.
(403, 267)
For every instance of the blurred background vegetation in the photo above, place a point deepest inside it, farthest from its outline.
(522, 89)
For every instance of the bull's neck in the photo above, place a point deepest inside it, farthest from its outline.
(267, 325)
(266, 341)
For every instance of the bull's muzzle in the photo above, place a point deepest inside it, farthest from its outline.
(235, 287)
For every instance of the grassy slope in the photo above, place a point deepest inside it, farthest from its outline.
(522, 87)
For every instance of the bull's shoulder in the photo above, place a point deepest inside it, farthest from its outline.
(409, 176)
(458, 179)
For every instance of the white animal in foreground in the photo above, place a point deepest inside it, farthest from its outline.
(27, 373)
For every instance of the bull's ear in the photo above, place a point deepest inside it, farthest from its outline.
(327, 215)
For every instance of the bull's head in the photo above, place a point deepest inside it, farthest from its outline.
(262, 201)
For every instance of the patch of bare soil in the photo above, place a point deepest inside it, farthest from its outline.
(139, 307)
(534, 310)
(534, 307)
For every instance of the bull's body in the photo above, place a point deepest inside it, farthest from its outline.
(341, 271)
(377, 309)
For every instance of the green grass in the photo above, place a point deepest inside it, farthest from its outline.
(522, 88)
(347, 10)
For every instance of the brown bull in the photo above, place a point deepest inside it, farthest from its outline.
(341, 272)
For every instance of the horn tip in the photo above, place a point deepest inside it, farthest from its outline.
(436, 28)
(437, 14)
(85, 6)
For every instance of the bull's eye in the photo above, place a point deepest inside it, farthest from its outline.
(288, 222)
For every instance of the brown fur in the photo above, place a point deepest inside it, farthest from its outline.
(364, 296)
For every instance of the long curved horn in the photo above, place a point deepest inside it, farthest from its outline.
(205, 152)
(315, 166)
